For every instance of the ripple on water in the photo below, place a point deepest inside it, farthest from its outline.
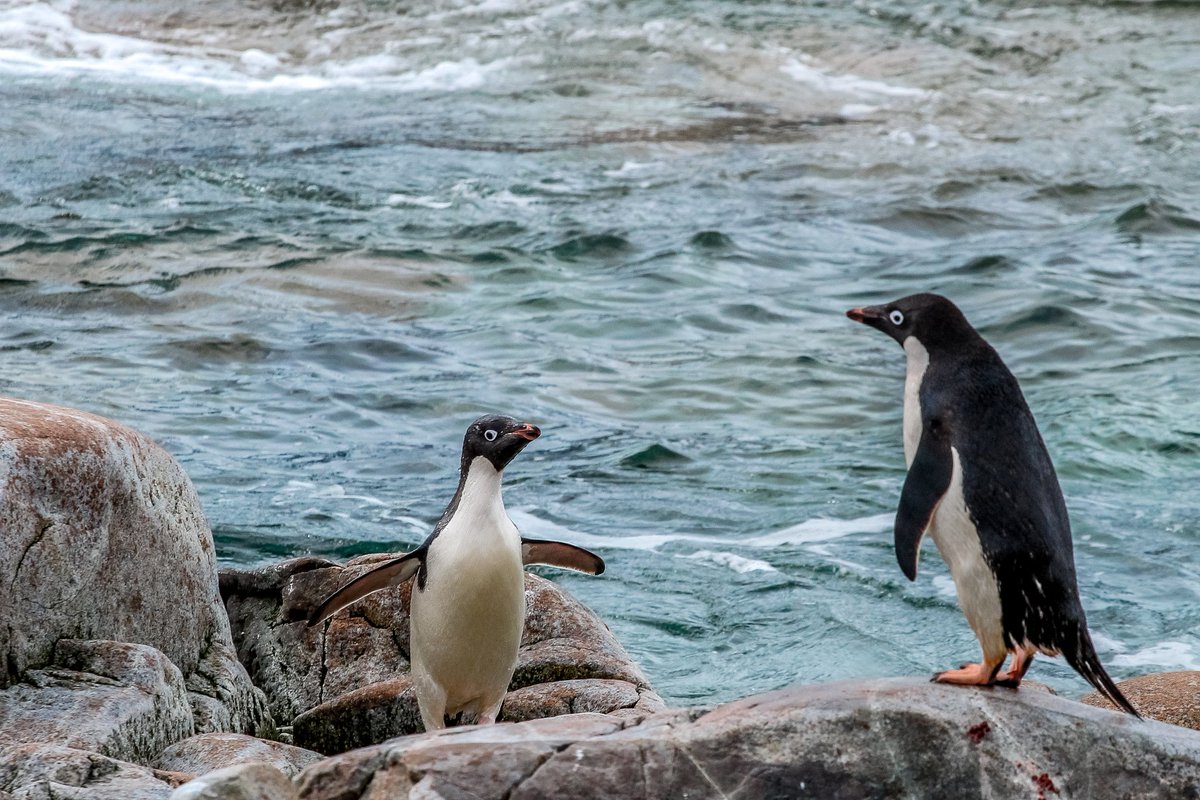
(1156, 218)
(592, 245)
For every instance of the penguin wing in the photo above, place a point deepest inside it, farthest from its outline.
(928, 479)
(389, 573)
(560, 554)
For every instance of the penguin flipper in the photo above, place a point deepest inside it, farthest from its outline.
(560, 554)
(928, 479)
(389, 573)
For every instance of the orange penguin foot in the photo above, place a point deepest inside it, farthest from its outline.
(970, 674)
(1012, 676)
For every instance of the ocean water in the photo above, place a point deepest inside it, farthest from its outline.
(303, 244)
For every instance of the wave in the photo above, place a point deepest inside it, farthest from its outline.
(42, 39)
(809, 533)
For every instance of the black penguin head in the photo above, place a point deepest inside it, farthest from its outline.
(932, 319)
(498, 439)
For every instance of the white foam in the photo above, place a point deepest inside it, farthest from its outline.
(738, 564)
(41, 39)
(414, 200)
(1164, 655)
(822, 530)
(332, 491)
(806, 533)
(945, 586)
(853, 85)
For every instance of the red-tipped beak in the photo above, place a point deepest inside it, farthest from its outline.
(528, 432)
(864, 314)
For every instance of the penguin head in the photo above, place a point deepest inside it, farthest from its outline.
(930, 318)
(498, 439)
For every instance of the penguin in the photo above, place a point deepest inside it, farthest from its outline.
(468, 605)
(982, 485)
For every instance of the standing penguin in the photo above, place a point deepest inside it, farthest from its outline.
(981, 483)
(468, 606)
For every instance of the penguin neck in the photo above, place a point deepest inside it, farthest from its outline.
(479, 487)
(918, 362)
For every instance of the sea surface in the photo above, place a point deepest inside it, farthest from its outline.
(304, 244)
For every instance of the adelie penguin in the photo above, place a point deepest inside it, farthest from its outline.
(468, 605)
(981, 483)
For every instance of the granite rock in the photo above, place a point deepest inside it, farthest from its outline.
(252, 781)
(54, 772)
(125, 701)
(207, 752)
(104, 539)
(888, 738)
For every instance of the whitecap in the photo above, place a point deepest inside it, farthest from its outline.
(738, 564)
(847, 84)
(1164, 655)
(42, 39)
(822, 530)
(945, 586)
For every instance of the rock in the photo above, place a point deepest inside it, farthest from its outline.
(241, 782)
(888, 738)
(104, 539)
(360, 717)
(347, 686)
(125, 701)
(211, 751)
(1172, 697)
(54, 772)
(569, 697)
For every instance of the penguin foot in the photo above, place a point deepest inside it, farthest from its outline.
(1012, 676)
(969, 675)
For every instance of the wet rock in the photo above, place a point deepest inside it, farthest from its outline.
(241, 782)
(126, 701)
(345, 684)
(1172, 697)
(202, 754)
(104, 539)
(894, 738)
(54, 772)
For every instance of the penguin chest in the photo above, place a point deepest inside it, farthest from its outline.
(466, 624)
(957, 539)
(918, 362)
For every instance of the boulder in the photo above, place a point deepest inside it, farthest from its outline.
(888, 738)
(54, 772)
(1172, 697)
(211, 751)
(345, 683)
(240, 782)
(125, 701)
(104, 539)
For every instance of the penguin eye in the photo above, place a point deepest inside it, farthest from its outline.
(897, 316)
(490, 435)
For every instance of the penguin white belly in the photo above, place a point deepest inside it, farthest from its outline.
(466, 625)
(957, 539)
(918, 362)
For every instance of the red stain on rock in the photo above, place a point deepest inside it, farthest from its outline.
(976, 732)
(1044, 784)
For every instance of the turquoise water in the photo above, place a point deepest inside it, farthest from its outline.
(303, 245)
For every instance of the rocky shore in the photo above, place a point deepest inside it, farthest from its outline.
(129, 669)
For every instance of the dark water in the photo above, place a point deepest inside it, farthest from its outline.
(304, 244)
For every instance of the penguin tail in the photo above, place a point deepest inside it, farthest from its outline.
(1084, 660)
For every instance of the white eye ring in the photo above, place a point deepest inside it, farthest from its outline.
(490, 435)
(897, 317)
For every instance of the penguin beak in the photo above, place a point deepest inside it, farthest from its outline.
(867, 315)
(527, 432)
